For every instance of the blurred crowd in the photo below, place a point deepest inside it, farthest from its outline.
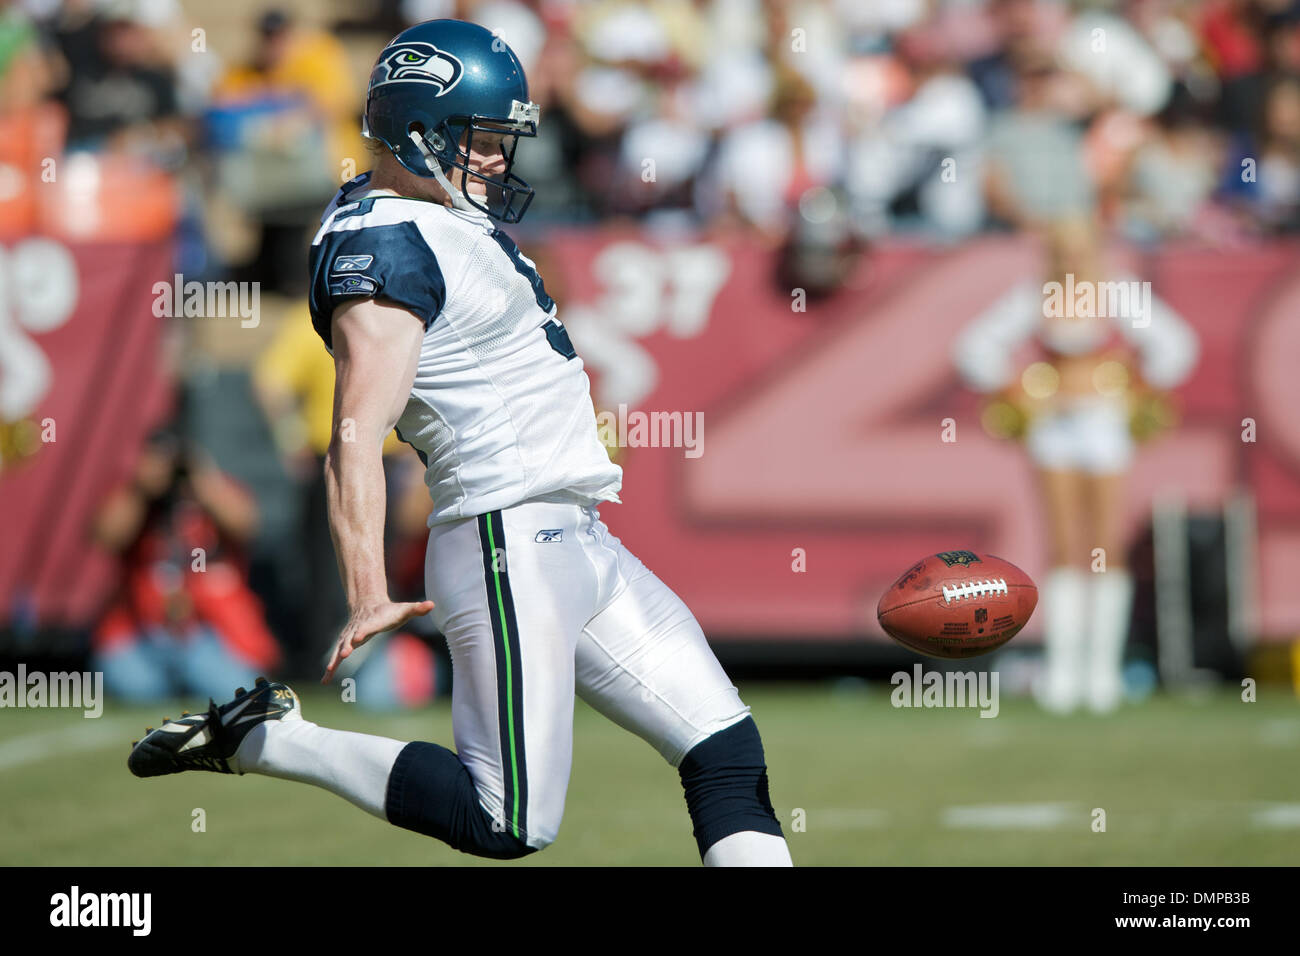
(828, 122)
(933, 117)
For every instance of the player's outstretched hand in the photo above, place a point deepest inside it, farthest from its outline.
(367, 621)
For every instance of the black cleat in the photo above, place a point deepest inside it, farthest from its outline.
(208, 741)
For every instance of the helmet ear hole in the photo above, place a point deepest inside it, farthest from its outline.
(435, 139)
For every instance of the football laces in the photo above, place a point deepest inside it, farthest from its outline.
(974, 589)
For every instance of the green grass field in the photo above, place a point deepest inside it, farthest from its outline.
(1182, 782)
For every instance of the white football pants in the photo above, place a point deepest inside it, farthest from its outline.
(539, 600)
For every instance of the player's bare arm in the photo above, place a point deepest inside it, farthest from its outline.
(376, 350)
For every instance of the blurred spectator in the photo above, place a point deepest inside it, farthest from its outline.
(821, 250)
(661, 156)
(808, 38)
(560, 163)
(920, 165)
(721, 95)
(184, 621)
(1271, 196)
(1035, 171)
(764, 167)
(24, 77)
(117, 87)
(285, 127)
(30, 129)
(1022, 29)
(1233, 34)
(1174, 174)
(734, 83)
(1117, 62)
(515, 23)
(295, 62)
(625, 53)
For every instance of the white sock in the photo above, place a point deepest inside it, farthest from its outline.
(355, 766)
(1065, 604)
(1111, 598)
(749, 848)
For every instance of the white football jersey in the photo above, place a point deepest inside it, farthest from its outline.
(500, 411)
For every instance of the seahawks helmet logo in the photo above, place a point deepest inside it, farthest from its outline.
(418, 63)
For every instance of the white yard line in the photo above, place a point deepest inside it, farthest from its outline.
(1277, 816)
(88, 735)
(1012, 816)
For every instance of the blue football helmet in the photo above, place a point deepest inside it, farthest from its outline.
(442, 80)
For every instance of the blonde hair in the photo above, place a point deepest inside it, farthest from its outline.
(1073, 245)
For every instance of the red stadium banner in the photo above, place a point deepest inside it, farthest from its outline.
(820, 444)
(804, 439)
(83, 239)
(80, 383)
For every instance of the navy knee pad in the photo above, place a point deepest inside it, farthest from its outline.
(431, 792)
(725, 779)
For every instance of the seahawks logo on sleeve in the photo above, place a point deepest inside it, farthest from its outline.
(352, 285)
(344, 277)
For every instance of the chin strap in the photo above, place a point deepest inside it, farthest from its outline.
(457, 198)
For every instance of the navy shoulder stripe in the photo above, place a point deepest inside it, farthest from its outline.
(391, 262)
(544, 301)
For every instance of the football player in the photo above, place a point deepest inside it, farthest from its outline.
(439, 326)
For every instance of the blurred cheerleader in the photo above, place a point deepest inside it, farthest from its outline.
(1108, 349)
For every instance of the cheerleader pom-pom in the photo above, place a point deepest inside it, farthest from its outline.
(1004, 419)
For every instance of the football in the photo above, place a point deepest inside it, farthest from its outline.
(957, 604)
